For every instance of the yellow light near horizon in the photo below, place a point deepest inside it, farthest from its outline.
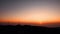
(33, 15)
(39, 18)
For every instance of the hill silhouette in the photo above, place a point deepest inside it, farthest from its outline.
(28, 29)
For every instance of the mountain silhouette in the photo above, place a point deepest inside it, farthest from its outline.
(28, 29)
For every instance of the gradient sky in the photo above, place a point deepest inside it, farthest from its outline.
(30, 11)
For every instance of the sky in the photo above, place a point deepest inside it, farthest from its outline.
(30, 11)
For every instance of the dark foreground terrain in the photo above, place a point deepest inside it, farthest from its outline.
(27, 29)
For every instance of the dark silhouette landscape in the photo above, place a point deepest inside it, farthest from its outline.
(27, 29)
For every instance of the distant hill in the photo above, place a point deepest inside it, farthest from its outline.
(27, 29)
(51, 25)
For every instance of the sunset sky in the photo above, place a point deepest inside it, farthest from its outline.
(30, 11)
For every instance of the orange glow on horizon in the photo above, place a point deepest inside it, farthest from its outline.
(15, 20)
